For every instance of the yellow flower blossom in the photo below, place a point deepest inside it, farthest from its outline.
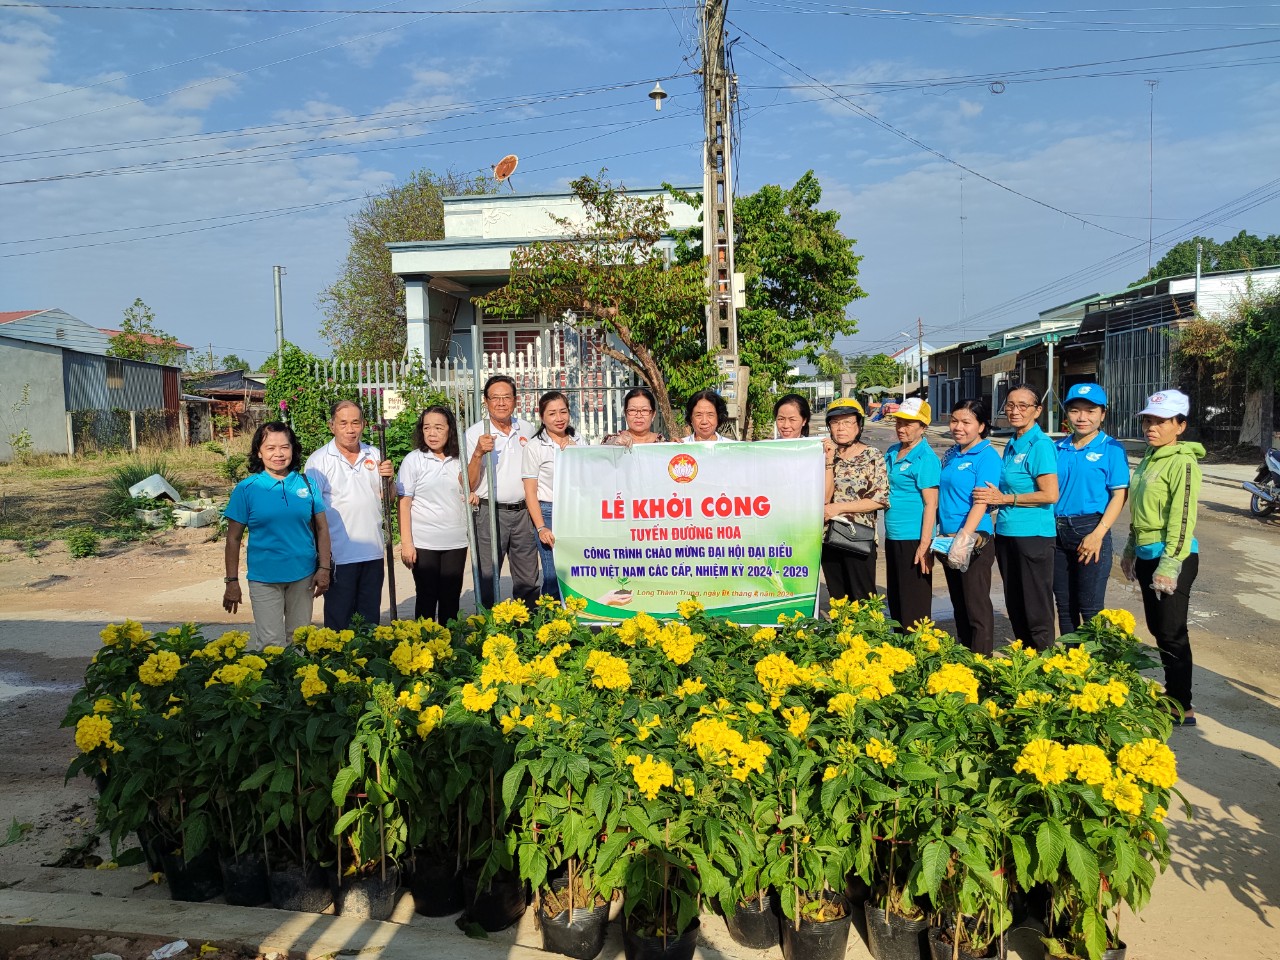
(412, 699)
(1046, 760)
(797, 720)
(607, 671)
(764, 636)
(1121, 619)
(312, 685)
(640, 627)
(554, 713)
(992, 708)
(1029, 699)
(1075, 661)
(103, 705)
(159, 668)
(830, 774)
(475, 701)
(1159, 813)
(689, 608)
(412, 657)
(514, 719)
(1149, 760)
(553, 632)
(95, 731)
(954, 678)
(644, 728)
(1088, 763)
(753, 707)
(429, 719)
(651, 775)
(843, 704)
(130, 631)
(883, 753)
(1123, 791)
(497, 646)
(271, 650)
(510, 611)
(690, 687)
(894, 659)
(678, 642)
(687, 786)
(720, 745)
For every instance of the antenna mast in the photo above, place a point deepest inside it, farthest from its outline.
(718, 93)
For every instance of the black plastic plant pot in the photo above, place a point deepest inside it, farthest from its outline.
(307, 891)
(497, 907)
(370, 898)
(754, 923)
(941, 947)
(894, 937)
(636, 947)
(580, 935)
(244, 880)
(818, 939)
(437, 888)
(194, 881)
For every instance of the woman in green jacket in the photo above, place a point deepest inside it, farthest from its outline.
(1162, 553)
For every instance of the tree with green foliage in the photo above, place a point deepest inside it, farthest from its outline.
(612, 275)
(880, 370)
(831, 364)
(364, 307)
(140, 339)
(1244, 251)
(235, 362)
(295, 396)
(800, 273)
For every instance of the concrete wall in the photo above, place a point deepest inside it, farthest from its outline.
(515, 217)
(38, 367)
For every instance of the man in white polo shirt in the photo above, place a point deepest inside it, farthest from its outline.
(349, 474)
(504, 444)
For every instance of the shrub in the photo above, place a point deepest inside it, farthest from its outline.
(83, 542)
(294, 395)
(117, 503)
(234, 467)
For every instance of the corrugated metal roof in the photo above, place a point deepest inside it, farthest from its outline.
(94, 382)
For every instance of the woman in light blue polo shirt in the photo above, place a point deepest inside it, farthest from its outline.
(970, 465)
(1093, 482)
(289, 559)
(1025, 531)
(911, 516)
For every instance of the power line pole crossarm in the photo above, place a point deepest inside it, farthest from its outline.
(724, 285)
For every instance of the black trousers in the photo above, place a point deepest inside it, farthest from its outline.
(1167, 621)
(847, 575)
(437, 576)
(354, 588)
(910, 592)
(1026, 567)
(971, 600)
(517, 545)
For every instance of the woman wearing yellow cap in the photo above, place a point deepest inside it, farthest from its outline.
(857, 489)
(914, 474)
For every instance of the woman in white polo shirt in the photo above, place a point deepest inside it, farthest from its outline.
(433, 515)
(555, 434)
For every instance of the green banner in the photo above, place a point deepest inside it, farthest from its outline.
(737, 525)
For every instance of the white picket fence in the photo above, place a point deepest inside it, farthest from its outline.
(593, 383)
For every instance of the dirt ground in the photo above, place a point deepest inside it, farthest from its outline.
(125, 948)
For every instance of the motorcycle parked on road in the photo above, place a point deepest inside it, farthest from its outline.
(1265, 488)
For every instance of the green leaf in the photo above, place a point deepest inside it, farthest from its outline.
(348, 818)
(1095, 933)
(342, 784)
(917, 770)
(131, 857)
(258, 777)
(282, 780)
(1021, 860)
(511, 783)
(933, 864)
(1050, 846)
(1083, 864)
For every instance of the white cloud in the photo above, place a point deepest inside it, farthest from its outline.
(200, 94)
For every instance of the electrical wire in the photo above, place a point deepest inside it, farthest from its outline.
(903, 135)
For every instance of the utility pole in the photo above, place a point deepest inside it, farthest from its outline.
(278, 272)
(719, 91)
(920, 354)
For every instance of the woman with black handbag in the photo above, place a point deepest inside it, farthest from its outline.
(857, 490)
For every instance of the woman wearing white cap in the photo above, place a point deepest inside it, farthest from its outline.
(1093, 481)
(909, 521)
(1162, 553)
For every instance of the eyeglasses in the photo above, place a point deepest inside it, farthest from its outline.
(501, 398)
(1021, 407)
(639, 411)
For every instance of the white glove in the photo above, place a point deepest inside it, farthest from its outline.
(961, 551)
(1166, 577)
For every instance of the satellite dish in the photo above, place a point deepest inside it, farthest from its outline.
(505, 168)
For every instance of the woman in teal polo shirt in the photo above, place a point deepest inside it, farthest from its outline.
(968, 466)
(1025, 530)
(910, 518)
(1093, 482)
(289, 560)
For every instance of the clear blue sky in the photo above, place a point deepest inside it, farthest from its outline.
(176, 156)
